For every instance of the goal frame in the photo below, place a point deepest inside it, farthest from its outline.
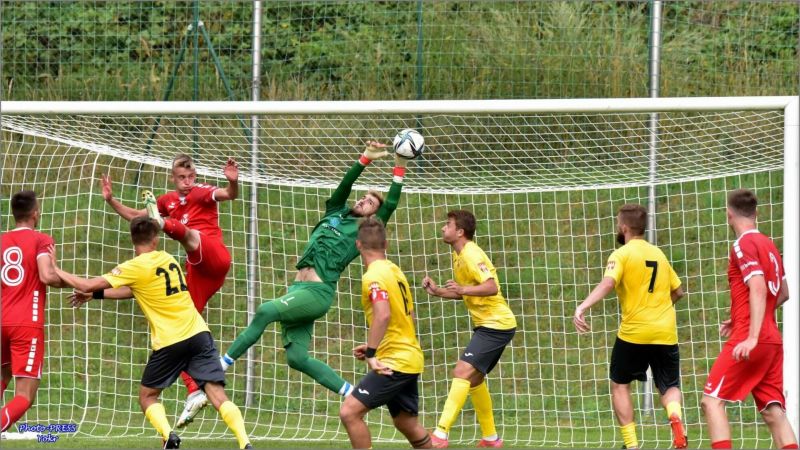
(791, 141)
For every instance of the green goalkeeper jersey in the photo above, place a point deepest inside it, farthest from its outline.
(332, 245)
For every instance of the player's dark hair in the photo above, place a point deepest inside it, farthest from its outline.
(372, 234)
(182, 160)
(464, 220)
(635, 217)
(23, 204)
(743, 202)
(377, 195)
(143, 230)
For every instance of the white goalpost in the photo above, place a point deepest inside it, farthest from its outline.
(543, 177)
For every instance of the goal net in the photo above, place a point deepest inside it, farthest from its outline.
(544, 182)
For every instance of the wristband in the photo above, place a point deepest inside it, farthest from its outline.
(99, 295)
(370, 353)
(399, 171)
(364, 160)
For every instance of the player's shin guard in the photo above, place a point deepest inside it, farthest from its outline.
(629, 435)
(175, 229)
(459, 390)
(13, 411)
(482, 402)
(191, 385)
(265, 315)
(233, 418)
(158, 418)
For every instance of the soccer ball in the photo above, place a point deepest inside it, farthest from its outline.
(408, 143)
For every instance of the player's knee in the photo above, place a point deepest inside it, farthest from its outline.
(296, 357)
(709, 404)
(772, 414)
(347, 414)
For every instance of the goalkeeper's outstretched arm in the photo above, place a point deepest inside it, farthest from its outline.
(126, 212)
(393, 198)
(374, 150)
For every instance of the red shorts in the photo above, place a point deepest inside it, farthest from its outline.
(23, 348)
(762, 375)
(206, 269)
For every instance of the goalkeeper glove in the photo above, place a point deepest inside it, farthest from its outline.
(374, 150)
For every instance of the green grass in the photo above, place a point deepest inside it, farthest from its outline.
(550, 388)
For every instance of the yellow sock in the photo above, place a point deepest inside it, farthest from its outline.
(629, 435)
(459, 390)
(482, 402)
(674, 408)
(158, 417)
(233, 418)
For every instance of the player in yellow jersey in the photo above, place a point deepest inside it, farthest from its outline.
(494, 325)
(392, 351)
(647, 288)
(179, 335)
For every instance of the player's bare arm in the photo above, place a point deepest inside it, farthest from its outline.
(758, 306)
(126, 212)
(598, 293)
(83, 284)
(783, 295)
(47, 269)
(381, 314)
(231, 192)
(485, 289)
(78, 298)
(439, 291)
(677, 294)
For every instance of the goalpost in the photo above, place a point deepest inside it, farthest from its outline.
(544, 178)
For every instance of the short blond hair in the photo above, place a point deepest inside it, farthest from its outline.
(182, 160)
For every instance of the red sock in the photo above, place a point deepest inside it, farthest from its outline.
(175, 229)
(13, 411)
(790, 446)
(3, 386)
(191, 385)
(722, 444)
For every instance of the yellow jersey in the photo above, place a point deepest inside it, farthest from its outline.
(644, 281)
(159, 286)
(470, 268)
(399, 348)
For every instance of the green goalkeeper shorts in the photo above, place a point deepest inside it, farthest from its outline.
(303, 304)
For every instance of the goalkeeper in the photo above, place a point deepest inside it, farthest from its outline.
(330, 249)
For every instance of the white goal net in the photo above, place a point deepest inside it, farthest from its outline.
(543, 183)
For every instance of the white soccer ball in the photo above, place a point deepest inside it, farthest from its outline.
(409, 143)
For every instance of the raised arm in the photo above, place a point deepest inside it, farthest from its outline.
(126, 212)
(431, 288)
(393, 198)
(231, 192)
(374, 150)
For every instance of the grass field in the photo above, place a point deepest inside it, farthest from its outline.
(550, 388)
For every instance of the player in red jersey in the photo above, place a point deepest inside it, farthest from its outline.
(751, 361)
(189, 215)
(26, 269)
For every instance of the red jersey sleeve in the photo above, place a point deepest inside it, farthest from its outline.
(42, 245)
(206, 193)
(746, 254)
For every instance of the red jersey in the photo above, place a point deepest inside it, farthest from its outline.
(197, 210)
(23, 293)
(754, 254)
